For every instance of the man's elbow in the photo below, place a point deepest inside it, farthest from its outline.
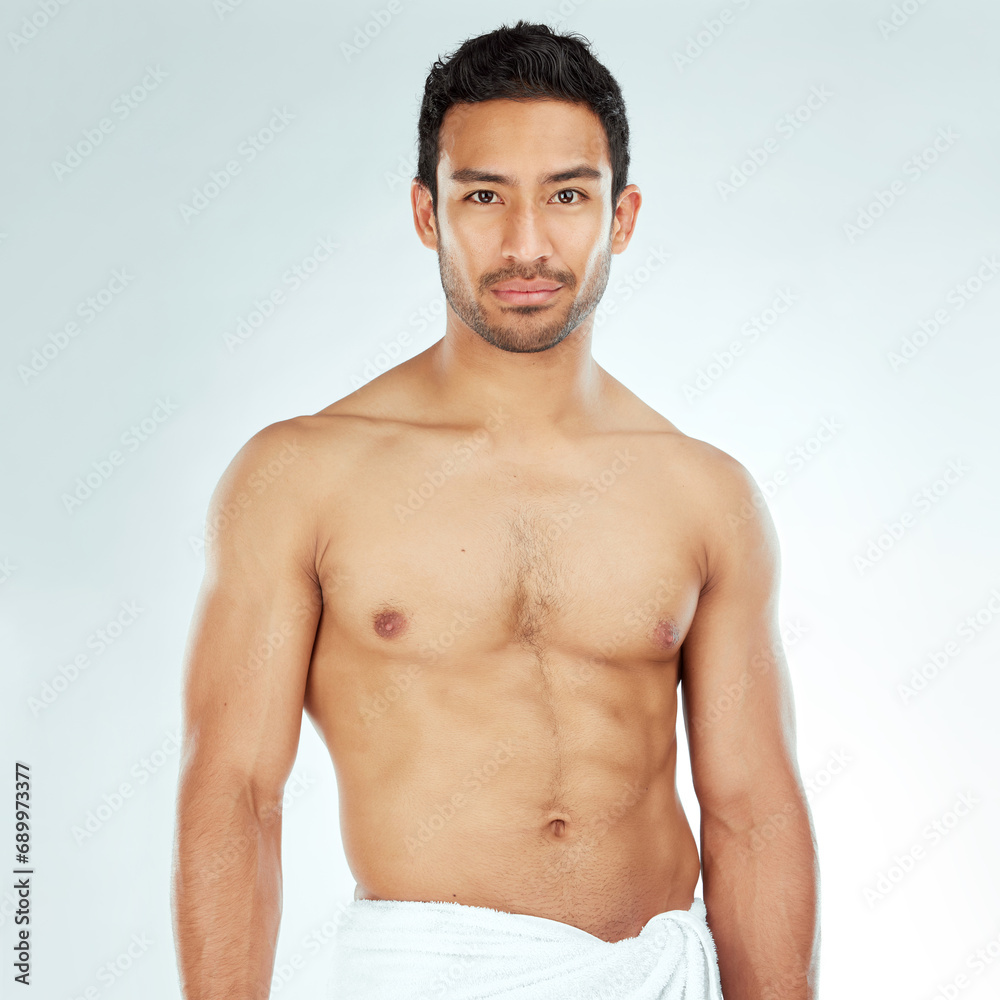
(756, 817)
(209, 789)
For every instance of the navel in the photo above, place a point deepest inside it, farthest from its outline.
(389, 624)
(665, 633)
(557, 827)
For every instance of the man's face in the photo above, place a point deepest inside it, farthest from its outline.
(523, 198)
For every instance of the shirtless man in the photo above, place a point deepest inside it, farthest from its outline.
(484, 576)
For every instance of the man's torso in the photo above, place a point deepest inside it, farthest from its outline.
(496, 667)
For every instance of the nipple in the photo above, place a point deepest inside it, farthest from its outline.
(389, 624)
(666, 633)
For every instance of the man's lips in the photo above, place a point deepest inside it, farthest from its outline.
(526, 286)
(525, 292)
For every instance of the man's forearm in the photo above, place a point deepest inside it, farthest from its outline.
(226, 893)
(761, 886)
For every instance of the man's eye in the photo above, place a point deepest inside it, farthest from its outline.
(565, 197)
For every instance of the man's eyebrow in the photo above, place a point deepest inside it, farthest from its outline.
(467, 175)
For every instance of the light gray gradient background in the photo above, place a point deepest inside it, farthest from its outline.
(340, 170)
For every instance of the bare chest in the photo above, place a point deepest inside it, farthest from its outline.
(434, 555)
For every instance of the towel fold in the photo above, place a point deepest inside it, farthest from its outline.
(407, 950)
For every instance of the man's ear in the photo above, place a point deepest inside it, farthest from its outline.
(423, 214)
(625, 217)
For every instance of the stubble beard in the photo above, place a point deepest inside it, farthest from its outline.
(529, 335)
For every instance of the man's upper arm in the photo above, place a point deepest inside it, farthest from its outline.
(252, 635)
(737, 695)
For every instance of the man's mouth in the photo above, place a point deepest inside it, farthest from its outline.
(525, 292)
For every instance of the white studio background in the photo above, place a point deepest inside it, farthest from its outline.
(836, 159)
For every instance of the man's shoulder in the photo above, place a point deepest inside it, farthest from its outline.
(704, 467)
(278, 487)
(716, 488)
(292, 460)
(715, 472)
(735, 524)
(336, 433)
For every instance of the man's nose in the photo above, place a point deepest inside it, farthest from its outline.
(525, 236)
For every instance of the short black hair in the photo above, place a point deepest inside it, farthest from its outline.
(526, 62)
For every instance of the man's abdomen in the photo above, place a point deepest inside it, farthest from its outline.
(542, 785)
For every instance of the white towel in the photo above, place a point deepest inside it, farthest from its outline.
(407, 950)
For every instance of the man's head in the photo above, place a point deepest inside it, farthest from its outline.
(522, 177)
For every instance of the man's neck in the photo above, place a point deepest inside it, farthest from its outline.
(546, 395)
